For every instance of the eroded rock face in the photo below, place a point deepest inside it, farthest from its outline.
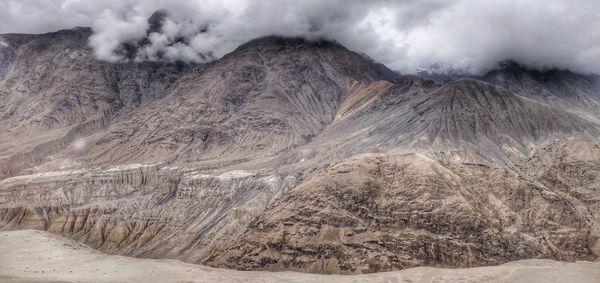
(292, 155)
(380, 212)
(142, 210)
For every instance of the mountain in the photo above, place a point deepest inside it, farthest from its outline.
(289, 154)
(54, 92)
(576, 92)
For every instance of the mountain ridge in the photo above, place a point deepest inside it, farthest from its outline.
(289, 154)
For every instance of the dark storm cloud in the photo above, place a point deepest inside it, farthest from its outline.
(404, 34)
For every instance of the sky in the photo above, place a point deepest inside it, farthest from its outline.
(406, 35)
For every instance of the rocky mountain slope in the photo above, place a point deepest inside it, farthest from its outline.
(54, 92)
(288, 154)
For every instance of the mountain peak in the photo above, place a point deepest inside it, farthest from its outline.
(341, 58)
(514, 68)
(157, 20)
(288, 42)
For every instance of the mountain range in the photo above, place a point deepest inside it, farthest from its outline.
(290, 154)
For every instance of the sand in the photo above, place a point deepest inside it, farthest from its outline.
(36, 256)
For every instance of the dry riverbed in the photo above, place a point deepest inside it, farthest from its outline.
(35, 256)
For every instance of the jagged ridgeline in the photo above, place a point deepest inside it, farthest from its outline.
(289, 154)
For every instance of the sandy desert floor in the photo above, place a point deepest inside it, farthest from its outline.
(36, 256)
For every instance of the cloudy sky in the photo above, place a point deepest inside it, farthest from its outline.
(404, 34)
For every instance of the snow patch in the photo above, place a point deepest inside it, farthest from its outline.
(50, 174)
(235, 174)
(129, 167)
(273, 181)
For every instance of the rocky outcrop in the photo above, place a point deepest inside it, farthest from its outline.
(142, 210)
(379, 212)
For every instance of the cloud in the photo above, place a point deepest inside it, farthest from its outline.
(112, 30)
(469, 35)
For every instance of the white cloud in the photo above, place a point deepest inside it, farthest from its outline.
(403, 34)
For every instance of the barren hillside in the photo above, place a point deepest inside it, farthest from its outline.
(289, 154)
